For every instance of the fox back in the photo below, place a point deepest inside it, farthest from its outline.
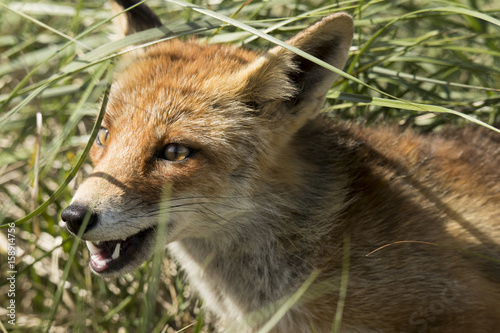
(222, 154)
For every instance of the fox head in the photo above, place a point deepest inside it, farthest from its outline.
(192, 134)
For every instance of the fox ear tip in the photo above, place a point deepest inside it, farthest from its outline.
(138, 18)
(338, 16)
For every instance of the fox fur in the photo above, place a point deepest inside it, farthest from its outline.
(259, 191)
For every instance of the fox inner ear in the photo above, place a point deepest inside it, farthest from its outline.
(329, 40)
(283, 75)
(136, 19)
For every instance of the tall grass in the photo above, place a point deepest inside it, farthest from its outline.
(418, 63)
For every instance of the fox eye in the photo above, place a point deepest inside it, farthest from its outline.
(177, 152)
(102, 137)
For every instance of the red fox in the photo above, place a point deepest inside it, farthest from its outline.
(259, 192)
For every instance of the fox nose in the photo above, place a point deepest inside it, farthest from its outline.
(74, 216)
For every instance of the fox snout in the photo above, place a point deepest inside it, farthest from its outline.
(114, 247)
(103, 213)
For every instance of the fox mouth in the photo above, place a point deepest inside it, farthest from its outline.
(117, 257)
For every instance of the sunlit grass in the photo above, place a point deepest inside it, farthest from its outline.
(409, 57)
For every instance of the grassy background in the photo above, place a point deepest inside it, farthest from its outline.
(53, 63)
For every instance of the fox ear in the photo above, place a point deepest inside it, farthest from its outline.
(136, 19)
(299, 86)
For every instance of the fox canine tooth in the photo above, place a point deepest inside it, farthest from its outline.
(116, 252)
(92, 248)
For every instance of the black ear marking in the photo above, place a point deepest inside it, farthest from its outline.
(140, 17)
(329, 40)
(307, 74)
(289, 88)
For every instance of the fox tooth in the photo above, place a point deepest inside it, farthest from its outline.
(92, 248)
(116, 252)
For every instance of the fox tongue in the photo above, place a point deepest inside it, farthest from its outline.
(103, 253)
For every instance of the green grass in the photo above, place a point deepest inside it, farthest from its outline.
(409, 57)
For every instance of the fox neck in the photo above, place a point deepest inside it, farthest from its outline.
(240, 278)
